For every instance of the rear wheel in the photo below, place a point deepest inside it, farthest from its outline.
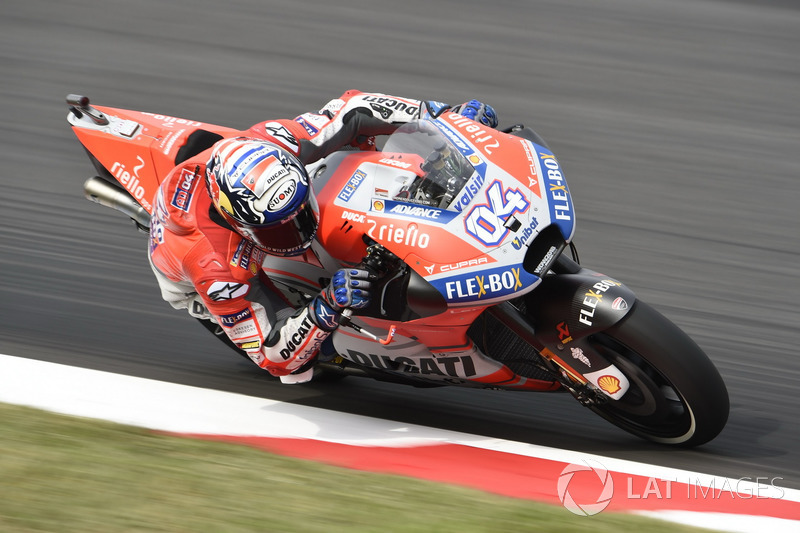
(676, 396)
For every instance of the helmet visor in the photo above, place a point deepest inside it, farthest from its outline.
(290, 236)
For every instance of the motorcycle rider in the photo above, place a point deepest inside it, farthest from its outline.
(208, 240)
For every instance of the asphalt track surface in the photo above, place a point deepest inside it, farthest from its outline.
(676, 123)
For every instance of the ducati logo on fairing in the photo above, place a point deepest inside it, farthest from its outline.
(455, 366)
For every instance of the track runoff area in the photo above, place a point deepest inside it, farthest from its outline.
(584, 484)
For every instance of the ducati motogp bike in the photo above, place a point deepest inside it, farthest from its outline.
(471, 230)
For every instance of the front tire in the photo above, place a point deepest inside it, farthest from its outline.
(677, 396)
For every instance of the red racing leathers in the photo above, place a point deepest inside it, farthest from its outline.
(206, 267)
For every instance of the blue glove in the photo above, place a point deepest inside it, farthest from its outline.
(478, 111)
(349, 289)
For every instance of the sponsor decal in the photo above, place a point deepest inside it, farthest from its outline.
(130, 179)
(182, 199)
(486, 284)
(560, 207)
(619, 304)
(233, 318)
(578, 354)
(251, 345)
(409, 235)
(279, 132)
(609, 384)
(395, 163)
(425, 213)
(546, 260)
(283, 196)
(527, 234)
(563, 333)
(156, 234)
(168, 122)
(352, 185)
(310, 128)
(470, 190)
(385, 106)
(533, 182)
(464, 264)
(274, 170)
(592, 298)
(453, 366)
(456, 139)
(297, 340)
(247, 256)
(227, 290)
(157, 221)
(477, 134)
(326, 316)
(486, 222)
(332, 107)
(316, 120)
(237, 255)
(256, 260)
(353, 217)
(169, 140)
(243, 329)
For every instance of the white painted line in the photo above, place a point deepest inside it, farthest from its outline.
(731, 524)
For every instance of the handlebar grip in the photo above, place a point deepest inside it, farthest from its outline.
(345, 318)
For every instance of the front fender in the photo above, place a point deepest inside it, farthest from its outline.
(570, 306)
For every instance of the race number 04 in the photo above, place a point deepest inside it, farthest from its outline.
(485, 221)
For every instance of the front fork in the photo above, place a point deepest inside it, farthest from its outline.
(558, 318)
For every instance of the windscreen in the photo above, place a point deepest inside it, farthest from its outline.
(444, 170)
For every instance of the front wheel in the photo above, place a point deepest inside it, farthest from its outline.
(676, 395)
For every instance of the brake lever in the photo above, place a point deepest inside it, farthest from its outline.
(345, 321)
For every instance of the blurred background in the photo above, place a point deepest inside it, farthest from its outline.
(675, 121)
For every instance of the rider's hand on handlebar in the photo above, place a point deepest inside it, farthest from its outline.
(348, 289)
(478, 111)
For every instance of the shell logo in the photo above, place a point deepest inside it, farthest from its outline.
(609, 384)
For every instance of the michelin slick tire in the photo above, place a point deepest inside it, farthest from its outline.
(677, 396)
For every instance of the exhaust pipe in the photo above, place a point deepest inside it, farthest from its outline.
(104, 193)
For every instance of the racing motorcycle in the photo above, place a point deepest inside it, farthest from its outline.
(471, 229)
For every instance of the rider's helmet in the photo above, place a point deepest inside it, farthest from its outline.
(262, 191)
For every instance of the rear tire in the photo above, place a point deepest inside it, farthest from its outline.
(677, 396)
